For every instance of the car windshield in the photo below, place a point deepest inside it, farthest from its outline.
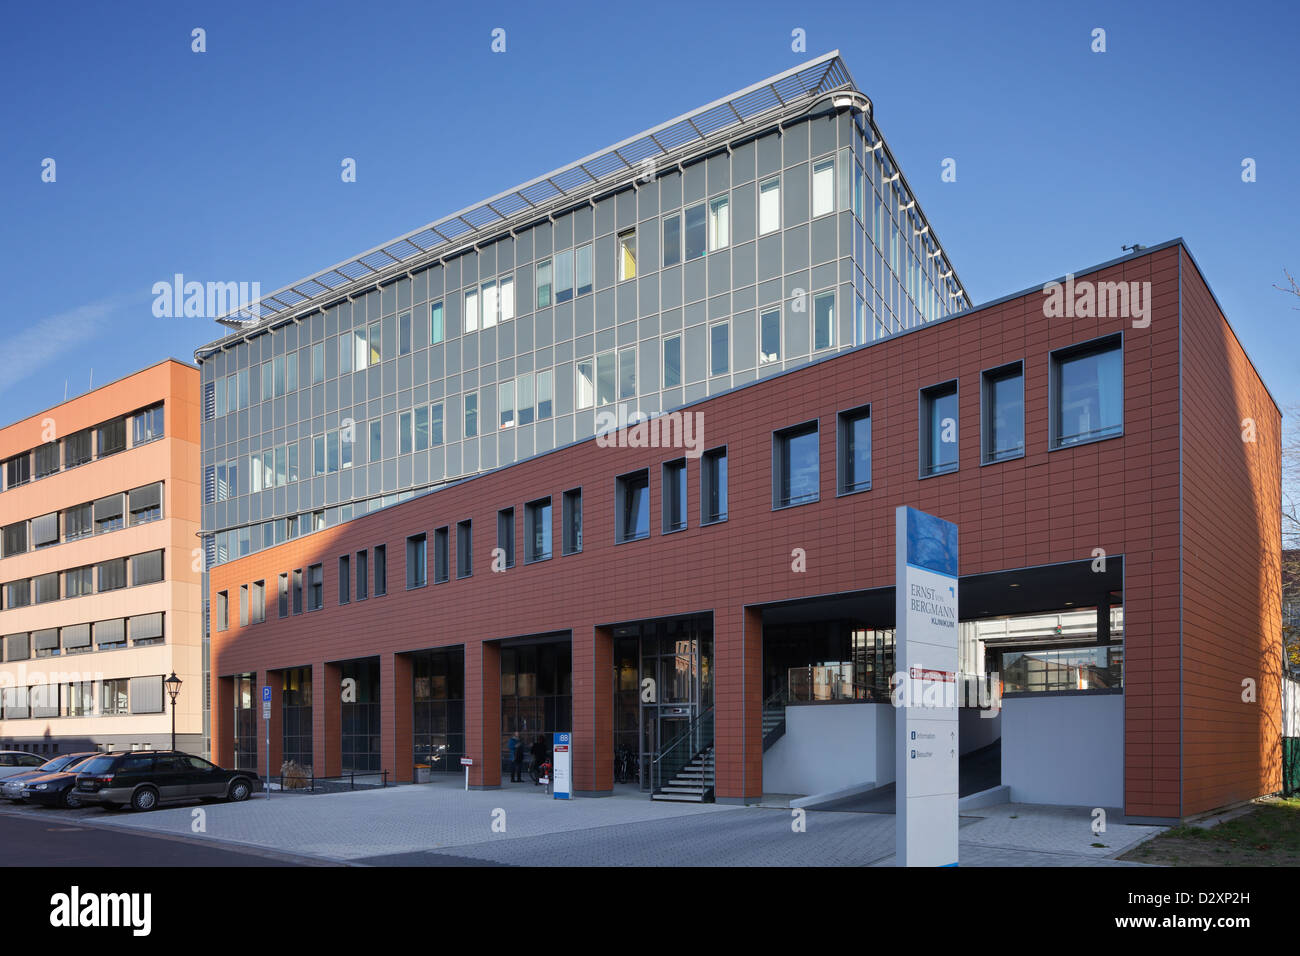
(58, 763)
(98, 765)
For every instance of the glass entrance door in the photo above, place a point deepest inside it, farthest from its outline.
(676, 683)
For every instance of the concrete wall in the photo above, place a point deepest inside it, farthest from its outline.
(829, 746)
(1066, 750)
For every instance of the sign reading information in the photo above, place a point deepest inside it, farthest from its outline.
(562, 766)
(925, 690)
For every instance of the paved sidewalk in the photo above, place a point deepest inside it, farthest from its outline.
(442, 825)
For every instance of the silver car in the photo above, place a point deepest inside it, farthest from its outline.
(18, 761)
(11, 787)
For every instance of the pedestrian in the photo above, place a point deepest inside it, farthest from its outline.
(516, 758)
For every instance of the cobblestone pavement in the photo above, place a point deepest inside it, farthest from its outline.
(442, 825)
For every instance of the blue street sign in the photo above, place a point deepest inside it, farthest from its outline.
(266, 694)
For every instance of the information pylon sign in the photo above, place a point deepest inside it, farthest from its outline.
(925, 691)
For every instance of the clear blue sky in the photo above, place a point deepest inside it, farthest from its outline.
(225, 165)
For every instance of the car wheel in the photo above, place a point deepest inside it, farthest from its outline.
(71, 800)
(146, 798)
(239, 791)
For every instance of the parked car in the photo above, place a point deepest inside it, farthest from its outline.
(142, 780)
(57, 789)
(13, 784)
(17, 761)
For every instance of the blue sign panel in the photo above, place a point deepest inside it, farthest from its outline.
(266, 694)
(931, 543)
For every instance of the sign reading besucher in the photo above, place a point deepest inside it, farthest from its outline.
(925, 689)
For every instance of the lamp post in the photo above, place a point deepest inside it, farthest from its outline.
(173, 684)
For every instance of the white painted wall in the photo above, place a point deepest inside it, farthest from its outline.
(830, 746)
(1067, 751)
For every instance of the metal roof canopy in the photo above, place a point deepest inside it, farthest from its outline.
(802, 83)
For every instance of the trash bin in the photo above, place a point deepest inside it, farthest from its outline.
(421, 773)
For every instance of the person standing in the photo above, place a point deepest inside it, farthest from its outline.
(516, 758)
(539, 757)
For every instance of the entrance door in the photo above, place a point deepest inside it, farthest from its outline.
(676, 680)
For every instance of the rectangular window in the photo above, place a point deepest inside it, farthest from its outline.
(381, 570)
(315, 587)
(586, 384)
(77, 449)
(376, 356)
(113, 696)
(823, 187)
(795, 466)
(464, 549)
(674, 500)
(627, 372)
(45, 530)
(769, 337)
(436, 330)
(440, 556)
(471, 414)
(489, 304)
(318, 363)
(582, 267)
(284, 595)
(632, 500)
(108, 513)
(524, 398)
(506, 404)
(417, 557)
(147, 568)
(76, 639)
(223, 610)
(345, 579)
(719, 223)
(435, 424)
(537, 530)
(110, 575)
(823, 320)
(404, 334)
(939, 429)
(111, 436)
(297, 591)
(544, 284)
(359, 348)
(697, 232)
(855, 450)
(672, 241)
(572, 519)
(147, 629)
(363, 574)
(376, 440)
(673, 361)
(78, 521)
(145, 503)
(47, 458)
(544, 395)
(422, 428)
(769, 205)
(18, 593)
(507, 299)
(720, 349)
(713, 486)
(564, 276)
(606, 378)
(345, 353)
(404, 433)
(627, 255)
(45, 588)
(1004, 412)
(256, 602)
(78, 581)
(18, 470)
(1087, 388)
(506, 535)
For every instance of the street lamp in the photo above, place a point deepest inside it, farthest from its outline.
(173, 685)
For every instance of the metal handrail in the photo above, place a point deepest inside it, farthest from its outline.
(692, 734)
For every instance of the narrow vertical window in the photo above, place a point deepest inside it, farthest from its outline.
(572, 520)
(627, 372)
(507, 299)
(506, 536)
(435, 424)
(795, 466)
(564, 275)
(440, 556)
(345, 579)
(381, 570)
(719, 223)
(586, 384)
(464, 549)
(674, 496)
(672, 240)
(855, 450)
(544, 284)
(436, 331)
(404, 334)
(769, 205)
(713, 486)
(537, 530)
(545, 395)
(471, 414)
(416, 561)
(524, 398)
(632, 500)
(627, 255)
(720, 349)
(1004, 413)
(697, 232)
(673, 361)
(471, 310)
(583, 269)
(823, 320)
(769, 337)
(605, 378)
(823, 187)
(363, 575)
(939, 429)
(491, 305)
(506, 404)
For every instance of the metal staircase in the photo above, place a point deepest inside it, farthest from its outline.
(773, 719)
(683, 769)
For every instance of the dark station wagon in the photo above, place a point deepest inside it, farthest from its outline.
(143, 779)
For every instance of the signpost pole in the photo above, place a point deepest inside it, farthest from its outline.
(266, 721)
(467, 762)
(925, 692)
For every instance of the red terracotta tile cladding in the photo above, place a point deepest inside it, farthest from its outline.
(1121, 495)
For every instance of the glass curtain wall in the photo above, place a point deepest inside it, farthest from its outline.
(439, 693)
(536, 693)
(360, 717)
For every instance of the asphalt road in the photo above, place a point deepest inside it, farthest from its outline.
(38, 837)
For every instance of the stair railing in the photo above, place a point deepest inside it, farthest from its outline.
(775, 703)
(681, 750)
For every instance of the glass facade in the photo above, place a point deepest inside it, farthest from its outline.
(295, 717)
(360, 743)
(439, 695)
(536, 693)
(742, 264)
